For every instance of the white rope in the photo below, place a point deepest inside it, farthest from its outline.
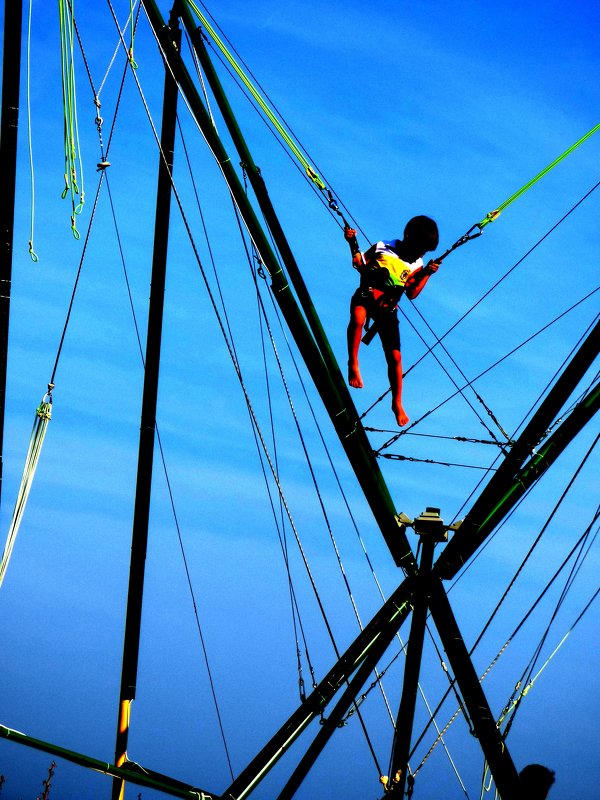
(43, 415)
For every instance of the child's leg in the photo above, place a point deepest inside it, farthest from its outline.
(394, 362)
(358, 317)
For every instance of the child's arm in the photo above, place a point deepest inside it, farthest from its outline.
(417, 279)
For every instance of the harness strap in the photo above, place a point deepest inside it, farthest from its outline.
(371, 329)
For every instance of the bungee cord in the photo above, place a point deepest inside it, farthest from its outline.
(269, 113)
(275, 121)
(492, 215)
(42, 417)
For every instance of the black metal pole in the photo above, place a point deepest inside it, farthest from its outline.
(531, 472)
(412, 668)
(316, 354)
(11, 79)
(139, 541)
(503, 490)
(484, 724)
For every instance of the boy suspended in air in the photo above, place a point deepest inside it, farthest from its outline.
(388, 270)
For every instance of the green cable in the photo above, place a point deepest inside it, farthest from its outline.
(311, 172)
(71, 131)
(32, 253)
(494, 214)
(132, 60)
(302, 159)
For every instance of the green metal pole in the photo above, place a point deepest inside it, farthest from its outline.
(143, 777)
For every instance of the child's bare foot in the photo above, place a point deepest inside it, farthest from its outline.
(354, 377)
(400, 414)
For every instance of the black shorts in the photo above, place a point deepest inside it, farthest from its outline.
(386, 320)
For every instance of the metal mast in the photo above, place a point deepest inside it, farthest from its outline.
(139, 539)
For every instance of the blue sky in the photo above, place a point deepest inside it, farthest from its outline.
(436, 108)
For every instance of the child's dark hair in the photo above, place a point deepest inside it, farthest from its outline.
(424, 230)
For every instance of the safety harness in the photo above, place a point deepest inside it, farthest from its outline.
(383, 275)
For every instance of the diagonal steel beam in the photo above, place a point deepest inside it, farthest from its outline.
(513, 478)
(367, 647)
(484, 724)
